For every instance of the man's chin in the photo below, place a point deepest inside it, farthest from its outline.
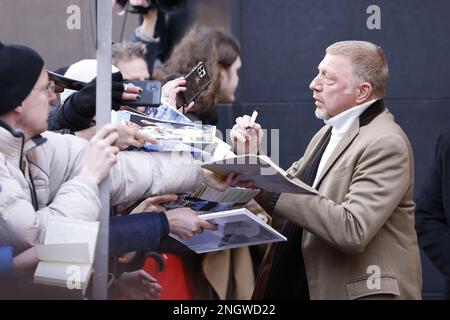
(322, 114)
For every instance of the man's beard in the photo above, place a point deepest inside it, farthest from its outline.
(322, 114)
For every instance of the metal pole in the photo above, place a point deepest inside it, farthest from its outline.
(103, 117)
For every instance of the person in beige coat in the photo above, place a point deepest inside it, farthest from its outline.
(355, 239)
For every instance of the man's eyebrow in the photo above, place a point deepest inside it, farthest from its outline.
(322, 71)
(321, 67)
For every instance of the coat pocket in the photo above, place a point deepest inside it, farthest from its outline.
(384, 284)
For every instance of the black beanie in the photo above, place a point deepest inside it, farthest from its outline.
(20, 68)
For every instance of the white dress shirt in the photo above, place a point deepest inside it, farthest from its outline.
(341, 123)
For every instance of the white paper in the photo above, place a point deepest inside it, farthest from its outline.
(262, 171)
(60, 273)
(62, 230)
(68, 251)
(236, 228)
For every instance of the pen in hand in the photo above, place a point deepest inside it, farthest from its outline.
(252, 120)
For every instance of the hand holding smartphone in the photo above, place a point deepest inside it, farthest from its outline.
(197, 81)
(150, 95)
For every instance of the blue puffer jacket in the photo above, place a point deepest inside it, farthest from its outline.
(6, 264)
(136, 232)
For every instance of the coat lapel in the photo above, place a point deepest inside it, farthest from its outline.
(365, 118)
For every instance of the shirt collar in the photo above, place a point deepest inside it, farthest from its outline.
(14, 145)
(343, 121)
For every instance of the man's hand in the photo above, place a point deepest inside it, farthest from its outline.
(185, 223)
(137, 3)
(100, 154)
(246, 138)
(218, 182)
(127, 257)
(131, 134)
(149, 20)
(153, 204)
(83, 101)
(139, 285)
(25, 263)
(130, 91)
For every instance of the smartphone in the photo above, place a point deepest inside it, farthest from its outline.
(150, 95)
(197, 81)
(64, 82)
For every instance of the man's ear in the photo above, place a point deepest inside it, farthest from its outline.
(364, 92)
(18, 109)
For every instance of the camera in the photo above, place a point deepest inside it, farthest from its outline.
(201, 71)
(166, 6)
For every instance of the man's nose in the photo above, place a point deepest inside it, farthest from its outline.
(314, 85)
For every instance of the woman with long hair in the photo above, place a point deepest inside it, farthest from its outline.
(226, 274)
(220, 52)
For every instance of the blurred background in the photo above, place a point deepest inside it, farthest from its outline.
(282, 43)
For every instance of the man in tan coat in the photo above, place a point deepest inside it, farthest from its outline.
(356, 239)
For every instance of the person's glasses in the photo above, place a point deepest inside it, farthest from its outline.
(51, 87)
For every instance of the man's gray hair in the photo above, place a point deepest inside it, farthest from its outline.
(124, 51)
(368, 62)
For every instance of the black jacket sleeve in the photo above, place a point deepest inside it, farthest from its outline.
(136, 232)
(78, 110)
(433, 211)
(67, 117)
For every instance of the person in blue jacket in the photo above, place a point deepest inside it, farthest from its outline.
(16, 260)
(6, 264)
(133, 232)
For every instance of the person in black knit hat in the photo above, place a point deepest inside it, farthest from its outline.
(44, 173)
(22, 66)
